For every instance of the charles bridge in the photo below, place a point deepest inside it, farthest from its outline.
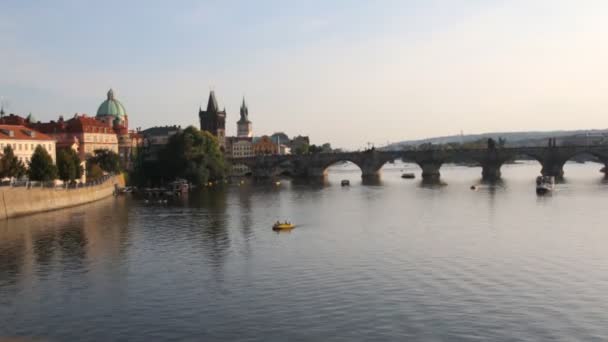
(551, 158)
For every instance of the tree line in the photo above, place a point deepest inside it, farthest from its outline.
(68, 167)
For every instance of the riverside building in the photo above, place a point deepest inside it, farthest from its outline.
(24, 141)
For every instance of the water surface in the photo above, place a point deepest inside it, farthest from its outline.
(398, 260)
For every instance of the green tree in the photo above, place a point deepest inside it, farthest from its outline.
(302, 149)
(68, 165)
(194, 155)
(41, 166)
(94, 172)
(11, 166)
(107, 160)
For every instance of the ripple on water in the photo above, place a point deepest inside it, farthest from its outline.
(394, 261)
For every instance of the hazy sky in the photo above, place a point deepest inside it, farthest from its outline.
(348, 72)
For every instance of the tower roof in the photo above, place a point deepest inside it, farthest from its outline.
(244, 112)
(212, 103)
(111, 106)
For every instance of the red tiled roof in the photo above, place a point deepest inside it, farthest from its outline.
(21, 133)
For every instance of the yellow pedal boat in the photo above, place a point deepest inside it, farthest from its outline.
(283, 226)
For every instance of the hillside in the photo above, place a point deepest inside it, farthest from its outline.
(531, 138)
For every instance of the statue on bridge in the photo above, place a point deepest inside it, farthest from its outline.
(491, 144)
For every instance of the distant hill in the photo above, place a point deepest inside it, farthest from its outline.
(513, 139)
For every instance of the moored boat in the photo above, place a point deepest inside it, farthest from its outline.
(544, 184)
(345, 182)
(408, 175)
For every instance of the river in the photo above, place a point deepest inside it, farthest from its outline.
(397, 260)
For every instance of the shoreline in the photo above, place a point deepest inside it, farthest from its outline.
(21, 201)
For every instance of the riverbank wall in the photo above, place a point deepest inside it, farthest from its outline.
(21, 201)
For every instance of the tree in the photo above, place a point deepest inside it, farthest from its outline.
(68, 165)
(194, 155)
(107, 160)
(41, 166)
(94, 172)
(11, 166)
(301, 149)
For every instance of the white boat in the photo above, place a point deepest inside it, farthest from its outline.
(179, 186)
(544, 184)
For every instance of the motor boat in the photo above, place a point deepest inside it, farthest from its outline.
(544, 184)
(283, 226)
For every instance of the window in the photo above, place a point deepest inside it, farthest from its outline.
(32, 147)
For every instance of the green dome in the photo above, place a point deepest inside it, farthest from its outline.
(111, 106)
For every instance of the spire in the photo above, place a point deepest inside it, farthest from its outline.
(110, 94)
(244, 111)
(212, 106)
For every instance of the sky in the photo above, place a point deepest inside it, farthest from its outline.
(348, 72)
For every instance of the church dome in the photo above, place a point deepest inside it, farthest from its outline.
(111, 106)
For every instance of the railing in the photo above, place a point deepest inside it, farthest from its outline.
(51, 185)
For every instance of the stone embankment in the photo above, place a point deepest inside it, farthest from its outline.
(21, 201)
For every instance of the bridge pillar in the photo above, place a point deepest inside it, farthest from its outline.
(370, 173)
(553, 167)
(430, 170)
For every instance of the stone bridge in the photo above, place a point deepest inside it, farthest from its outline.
(552, 160)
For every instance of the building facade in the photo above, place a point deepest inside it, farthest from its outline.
(239, 147)
(89, 133)
(108, 130)
(264, 146)
(24, 141)
(155, 138)
(213, 120)
(280, 138)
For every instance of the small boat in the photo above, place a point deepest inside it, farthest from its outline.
(345, 182)
(179, 186)
(544, 184)
(408, 175)
(283, 226)
(277, 183)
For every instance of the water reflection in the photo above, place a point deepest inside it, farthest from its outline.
(70, 237)
(214, 234)
(432, 183)
(371, 181)
(390, 262)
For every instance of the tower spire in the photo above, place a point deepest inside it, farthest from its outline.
(212, 106)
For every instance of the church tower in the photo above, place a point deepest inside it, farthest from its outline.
(213, 120)
(243, 126)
